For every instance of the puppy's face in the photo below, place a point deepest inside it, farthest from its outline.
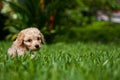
(33, 39)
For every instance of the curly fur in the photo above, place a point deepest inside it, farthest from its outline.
(28, 39)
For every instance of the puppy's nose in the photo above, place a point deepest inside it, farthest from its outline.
(36, 46)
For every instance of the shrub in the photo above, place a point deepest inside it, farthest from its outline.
(95, 32)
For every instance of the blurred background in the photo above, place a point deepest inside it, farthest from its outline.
(62, 20)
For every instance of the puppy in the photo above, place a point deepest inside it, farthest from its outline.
(30, 39)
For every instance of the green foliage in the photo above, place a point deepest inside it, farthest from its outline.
(67, 15)
(95, 32)
(27, 13)
(85, 11)
(100, 4)
(77, 61)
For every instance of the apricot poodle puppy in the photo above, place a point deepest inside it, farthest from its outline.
(30, 39)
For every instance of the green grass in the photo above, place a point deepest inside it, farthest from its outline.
(75, 61)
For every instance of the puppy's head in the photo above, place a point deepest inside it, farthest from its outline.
(30, 38)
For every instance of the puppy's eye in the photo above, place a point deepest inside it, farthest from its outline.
(29, 40)
(38, 38)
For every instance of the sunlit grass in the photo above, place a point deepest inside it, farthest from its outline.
(76, 61)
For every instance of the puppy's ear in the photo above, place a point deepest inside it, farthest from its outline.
(42, 38)
(19, 40)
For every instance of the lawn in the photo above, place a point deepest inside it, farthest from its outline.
(62, 61)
